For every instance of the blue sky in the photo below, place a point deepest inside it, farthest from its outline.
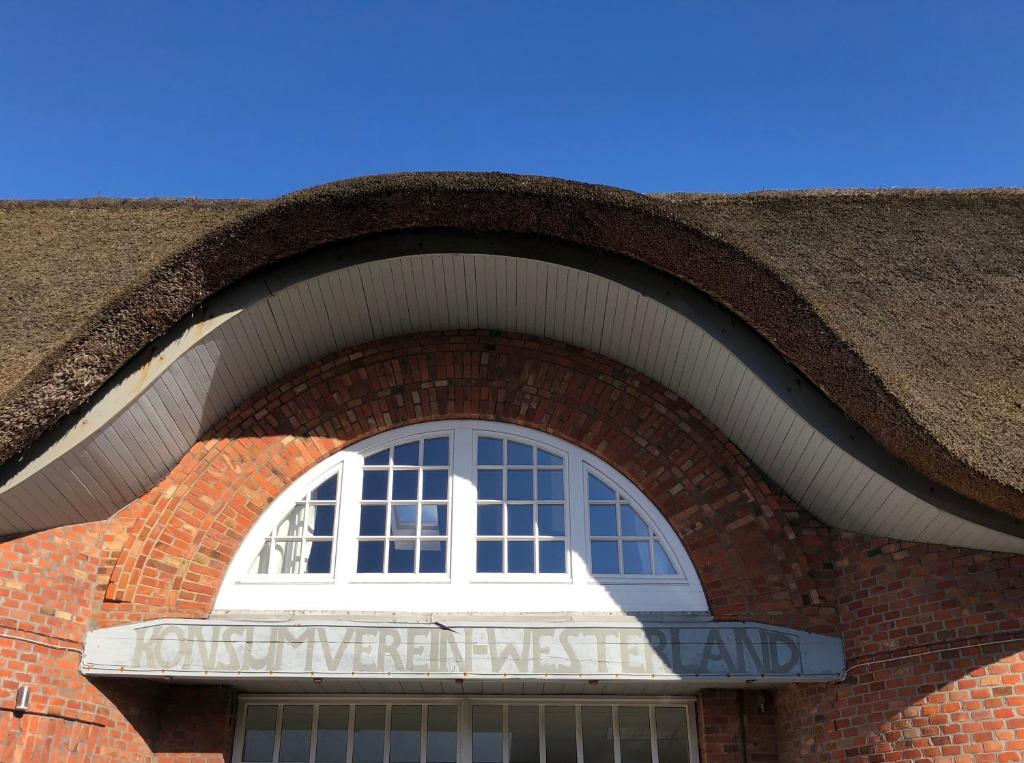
(255, 99)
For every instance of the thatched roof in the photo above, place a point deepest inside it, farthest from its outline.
(905, 307)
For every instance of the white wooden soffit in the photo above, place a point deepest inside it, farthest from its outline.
(264, 328)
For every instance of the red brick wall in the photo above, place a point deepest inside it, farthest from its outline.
(759, 557)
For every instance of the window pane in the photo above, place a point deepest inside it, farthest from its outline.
(488, 520)
(433, 555)
(488, 451)
(319, 557)
(662, 564)
(372, 519)
(549, 485)
(488, 556)
(602, 521)
(368, 744)
(520, 484)
(442, 733)
(547, 459)
(673, 744)
(520, 556)
(434, 520)
(520, 519)
(551, 519)
(598, 736)
(519, 454)
(524, 734)
(488, 485)
(296, 733)
(260, 727)
(404, 485)
(407, 454)
(435, 485)
(604, 557)
(402, 556)
(287, 557)
(597, 490)
(293, 521)
(487, 734)
(552, 556)
(636, 557)
(403, 520)
(261, 564)
(375, 486)
(326, 490)
(560, 734)
(435, 451)
(371, 556)
(323, 520)
(631, 522)
(332, 734)
(380, 458)
(405, 734)
(635, 734)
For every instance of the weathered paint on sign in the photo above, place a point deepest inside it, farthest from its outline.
(665, 650)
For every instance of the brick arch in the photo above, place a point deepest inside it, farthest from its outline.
(757, 554)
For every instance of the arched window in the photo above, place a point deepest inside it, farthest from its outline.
(455, 507)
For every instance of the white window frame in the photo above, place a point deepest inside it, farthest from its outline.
(461, 588)
(464, 705)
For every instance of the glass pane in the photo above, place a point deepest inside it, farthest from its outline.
(287, 557)
(435, 485)
(368, 742)
(332, 734)
(488, 485)
(293, 521)
(380, 458)
(597, 490)
(662, 564)
(488, 556)
(434, 520)
(326, 490)
(548, 459)
(407, 454)
(524, 734)
(520, 484)
(403, 520)
(433, 555)
(631, 522)
(598, 736)
(405, 734)
(260, 727)
(319, 557)
(552, 556)
(402, 556)
(560, 733)
(371, 556)
(519, 454)
(323, 520)
(636, 557)
(375, 486)
(635, 734)
(604, 557)
(488, 451)
(435, 451)
(488, 520)
(602, 521)
(442, 733)
(673, 744)
(372, 518)
(261, 564)
(404, 485)
(549, 485)
(520, 519)
(520, 556)
(487, 734)
(296, 733)
(551, 519)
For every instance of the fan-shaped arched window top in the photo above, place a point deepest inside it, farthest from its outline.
(453, 509)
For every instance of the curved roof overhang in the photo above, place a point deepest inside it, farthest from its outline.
(614, 229)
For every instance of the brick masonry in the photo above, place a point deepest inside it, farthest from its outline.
(926, 681)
